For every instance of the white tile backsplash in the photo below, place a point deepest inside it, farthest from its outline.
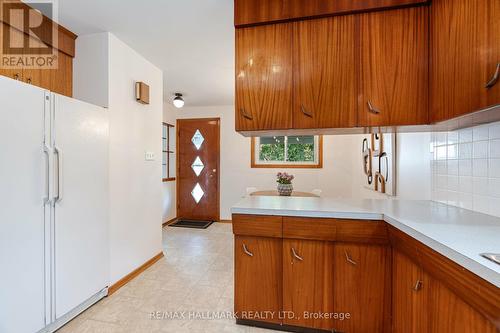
(466, 168)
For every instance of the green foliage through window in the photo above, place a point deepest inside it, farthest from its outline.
(287, 148)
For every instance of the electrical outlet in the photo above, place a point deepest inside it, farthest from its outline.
(150, 156)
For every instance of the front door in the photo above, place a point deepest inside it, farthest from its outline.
(198, 148)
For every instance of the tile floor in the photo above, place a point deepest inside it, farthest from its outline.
(196, 276)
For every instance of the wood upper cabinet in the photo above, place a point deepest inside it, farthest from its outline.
(248, 12)
(362, 287)
(394, 67)
(308, 268)
(325, 69)
(264, 77)
(465, 39)
(258, 278)
(410, 296)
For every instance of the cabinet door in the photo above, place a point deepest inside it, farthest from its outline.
(449, 314)
(264, 77)
(258, 278)
(494, 51)
(459, 71)
(394, 67)
(307, 283)
(410, 296)
(362, 287)
(324, 73)
(60, 79)
(259, 11)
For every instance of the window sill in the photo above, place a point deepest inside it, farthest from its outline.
(287, 166)
(172, 179)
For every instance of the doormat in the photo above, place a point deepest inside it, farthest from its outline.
(191, 224)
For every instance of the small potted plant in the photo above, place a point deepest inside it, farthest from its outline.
(284, 181)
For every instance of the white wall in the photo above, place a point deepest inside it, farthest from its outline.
(341, 175)
(135, 184)
(91, 68)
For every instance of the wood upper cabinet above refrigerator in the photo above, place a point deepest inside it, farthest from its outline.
(465, 44)
(394, 67)
(264, 77)
(325, 68)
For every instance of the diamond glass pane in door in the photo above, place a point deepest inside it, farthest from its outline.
(197, 139)
(197, 166)
(197, 193)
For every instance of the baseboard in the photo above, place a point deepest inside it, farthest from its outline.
(127, 278)
(169, 222)
(225, 221)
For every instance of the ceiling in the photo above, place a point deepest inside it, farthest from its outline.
(192, 41)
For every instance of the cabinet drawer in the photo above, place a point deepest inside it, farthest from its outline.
(257, 225)
(362, 231)
(341, 230)
(309, 228)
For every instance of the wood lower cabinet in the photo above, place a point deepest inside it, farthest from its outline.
(308, 268)
(340, 282)
(465, 54)
(421, 303)
(258, 278)
(264, 77)
(362, 287)
(325, 72)
(410, 296)
(394, 67)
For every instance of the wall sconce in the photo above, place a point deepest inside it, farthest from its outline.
(142, 92)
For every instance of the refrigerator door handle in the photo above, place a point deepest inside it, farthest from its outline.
(58, 197)
(46, 154)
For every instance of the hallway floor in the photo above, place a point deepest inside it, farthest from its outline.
(195, 276)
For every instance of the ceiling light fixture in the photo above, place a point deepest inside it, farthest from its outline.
(178, 101)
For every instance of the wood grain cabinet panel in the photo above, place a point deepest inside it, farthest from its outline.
(264, 77)
(494, 50)
(307, 283)
(260, 11)
(449, 314)
(410, 296)
(324, 73)
(258, 278)
(459, 70)
(362, 287)
(258, 225)
(394, 67)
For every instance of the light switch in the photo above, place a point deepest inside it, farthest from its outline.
(150, 156)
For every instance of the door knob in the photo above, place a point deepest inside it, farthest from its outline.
(214, 170)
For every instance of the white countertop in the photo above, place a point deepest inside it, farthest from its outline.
(456, 233)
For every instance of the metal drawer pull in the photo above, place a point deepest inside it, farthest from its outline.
(245, 114)
(372, 109)
(349, 260)
(418, 285)
(296, 255)
(16, 76)
(305, 112)
(495, 77)
(250, 254)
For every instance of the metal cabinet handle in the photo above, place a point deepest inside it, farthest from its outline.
(58, 197)
(495, 78)
(46, 151)
(372, 109)
(305, 112)
(245, 114)
(349, 260)
(418, 285)
(296, 255)
(28, 80)
(250, 254)
(16, 76)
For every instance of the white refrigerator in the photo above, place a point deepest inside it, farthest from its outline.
(54, 207)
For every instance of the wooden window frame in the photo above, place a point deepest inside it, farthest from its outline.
(319, 165)
(169, 151)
